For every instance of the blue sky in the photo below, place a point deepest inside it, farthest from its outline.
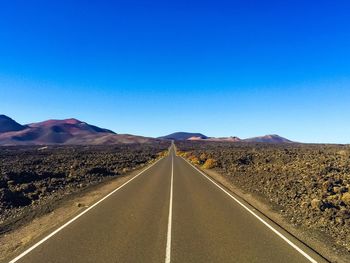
(241, 68)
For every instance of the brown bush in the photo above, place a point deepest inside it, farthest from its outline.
(203, 157)
(193, 159)
(210, 163)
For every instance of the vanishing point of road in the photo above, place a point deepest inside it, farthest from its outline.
(170, 212)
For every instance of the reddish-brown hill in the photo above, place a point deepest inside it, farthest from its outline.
(68, 131)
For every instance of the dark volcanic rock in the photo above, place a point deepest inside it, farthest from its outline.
(10, 199)
(310, 183)
(33, 177)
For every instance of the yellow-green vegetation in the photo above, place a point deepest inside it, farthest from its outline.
(346, 198)
(180, 153)
(163, 154)
(193, 159)
(203, 159)
(210, 163)
(185, 155)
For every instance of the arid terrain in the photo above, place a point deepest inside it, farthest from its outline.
(307, 184)
(34, 178)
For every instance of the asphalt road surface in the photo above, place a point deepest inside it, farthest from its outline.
(169, 213)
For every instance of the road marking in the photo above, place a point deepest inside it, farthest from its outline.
(170, 218)
(79, 215)
(257, 216)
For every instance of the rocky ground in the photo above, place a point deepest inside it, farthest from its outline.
(308, 184)
(33, 178)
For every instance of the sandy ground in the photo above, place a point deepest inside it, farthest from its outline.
(317, 241)
(11, 242)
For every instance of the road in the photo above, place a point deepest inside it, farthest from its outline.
(169, 213)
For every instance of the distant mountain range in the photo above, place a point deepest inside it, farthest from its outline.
(68, 131)
(73, 131)
(274, 138)
(177, 136)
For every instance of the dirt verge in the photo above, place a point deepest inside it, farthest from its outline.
(316, 240)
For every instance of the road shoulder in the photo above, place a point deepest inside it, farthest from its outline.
(317, 241)
(11, 243)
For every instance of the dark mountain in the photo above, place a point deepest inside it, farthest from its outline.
(68, 131)
(73, 131)
(7, 124)
(216, 139)
(71, 126)
(273, 138)
(180, 136)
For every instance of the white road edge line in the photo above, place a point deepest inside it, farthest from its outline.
(79, 215)
(257, 216)
(170, 218)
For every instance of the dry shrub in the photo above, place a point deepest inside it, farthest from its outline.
(193, 159)
(210, 163)
(163, 154)
(203, 157)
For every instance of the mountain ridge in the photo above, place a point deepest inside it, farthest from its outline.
(73, 131)
(275, 138)
(7, 124)
(183, 136)
(269, 138)
(67, 131)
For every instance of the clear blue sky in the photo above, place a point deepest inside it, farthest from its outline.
(222, 68)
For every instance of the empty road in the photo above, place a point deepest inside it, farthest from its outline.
(169, 213)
